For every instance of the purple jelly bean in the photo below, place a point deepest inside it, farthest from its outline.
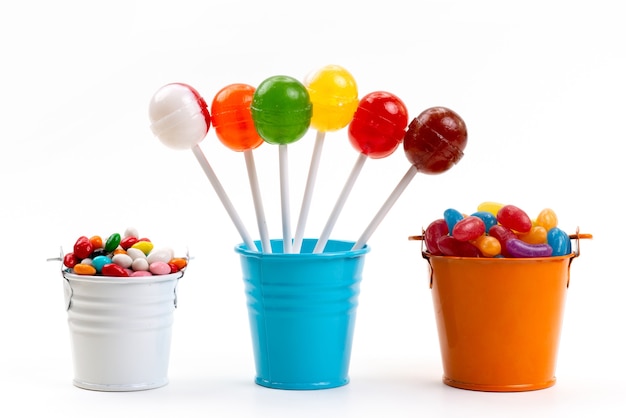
(519, 249)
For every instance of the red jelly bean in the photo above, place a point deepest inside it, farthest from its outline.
(502, 234)
(468, 228)
(69, 260)
(128, 242)
(451, 246)
(514, 218)
(83, 248)
(433, 232)
(114, 270)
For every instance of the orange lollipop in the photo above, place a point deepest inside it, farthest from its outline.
(234, 127)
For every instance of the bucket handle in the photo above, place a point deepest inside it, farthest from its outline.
(576, 253)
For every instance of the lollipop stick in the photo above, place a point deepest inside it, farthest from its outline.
(404, 182)
(308, 191)
(358, 165)
(284, 197)
(258, 203)
(204, 163)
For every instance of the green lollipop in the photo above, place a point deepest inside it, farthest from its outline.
(281, 110)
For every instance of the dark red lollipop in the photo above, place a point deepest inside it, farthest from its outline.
(435, 140)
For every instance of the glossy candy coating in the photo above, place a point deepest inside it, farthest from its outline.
(536, 235)
(435, 230)
(488, 218)
(502, 234)
(334, 96)
(514, 218)
(491, 207)
(520, 249)
(488, 246)
(435, 140)
(179, 116)
(468, 228)
(281, 110)
(232, 120)
(83, 247)
(547, 218)
(452, 216)
(559, 241)
(451, 246)
(378, 125)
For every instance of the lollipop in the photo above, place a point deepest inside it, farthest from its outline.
(234, 127)
(375, 131)
(181, 120)
(281, 111)
(433, 143)
(334, 97)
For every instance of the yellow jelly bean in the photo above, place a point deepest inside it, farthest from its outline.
(547, 218)
(489, 246)
(491, 207)
(537, 235)
(143, 246)
(84, 269)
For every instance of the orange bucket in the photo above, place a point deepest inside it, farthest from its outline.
(499, 319)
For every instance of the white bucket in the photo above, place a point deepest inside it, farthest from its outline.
(120, 330)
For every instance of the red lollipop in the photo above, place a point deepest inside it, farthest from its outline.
(376, 130)
(433, 143)
(435, 140)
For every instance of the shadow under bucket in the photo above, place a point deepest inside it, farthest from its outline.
(302, 312)
(499, 319)
(120, 330)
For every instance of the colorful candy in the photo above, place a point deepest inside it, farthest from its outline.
(141, 259)
(496, 230)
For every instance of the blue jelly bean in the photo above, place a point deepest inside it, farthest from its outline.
(559, 241)
(100, 261)
(488, 218)
(452, 216)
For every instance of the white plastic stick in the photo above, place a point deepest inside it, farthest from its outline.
(283, 161)
(308, 191)
(395, 194)
(258, 202)
(204, 163)
(323, 239)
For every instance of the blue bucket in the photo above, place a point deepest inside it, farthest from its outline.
(302, 311)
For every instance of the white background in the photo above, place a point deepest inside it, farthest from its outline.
(540, 85)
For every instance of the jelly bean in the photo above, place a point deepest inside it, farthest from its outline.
(69, 260)
(114, 270)
(559, 241)
(140, 264)
(100, 261)
(491, 207)
(489, 246)
(159, 267)
(451, 246)
(488, 218)
(468, 228)
(547, 218)
(123, 260)
(128, 242)
(520, 249)
(96, 241)
(433, 232)
(119, 250)
(160, 254)
(84, 269)
(173, 268)
(144, 246)
(112, 242)
(83, 248)
(179, 262)
(135, 253)
(536, 235)
(140, 273)
(502, 234)
(452, 216)
(131, 232)
(514, 218)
